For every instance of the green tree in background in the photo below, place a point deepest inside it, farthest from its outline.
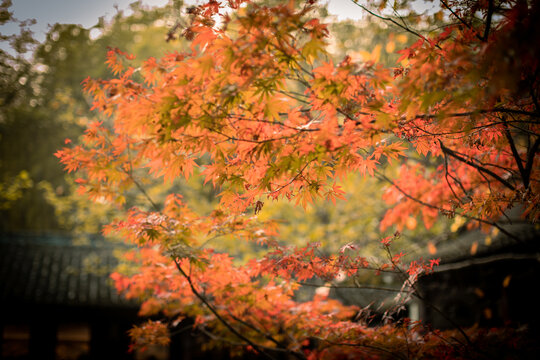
(42, 104)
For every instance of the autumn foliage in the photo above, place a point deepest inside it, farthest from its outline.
(259, 109)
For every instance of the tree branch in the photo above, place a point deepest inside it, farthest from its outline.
(385, 18)
(370, 347)
(445, 4)
(515, 153)
(467, 216)
(350, 287)
(530, 159)
(491, 8)
(476, 166)
(480, 111)
(417, 294)
(446, 175)
(217, 315)
(219, 338)
(267, 336)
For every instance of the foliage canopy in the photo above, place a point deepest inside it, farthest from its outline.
(258, 107)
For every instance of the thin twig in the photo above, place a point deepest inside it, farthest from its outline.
(530, 158)
(515, 153)
(216, 314)
(467, 216)
(390, 20)
(333, 286)
(476, 166)
(460, 19)
(370, 347)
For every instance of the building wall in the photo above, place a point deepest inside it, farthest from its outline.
(56, 332)
(491, 294)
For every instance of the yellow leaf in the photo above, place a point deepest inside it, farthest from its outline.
(206, 64)
(479, 292)
(376, 53)
(390, 47)
(474, 248)
(312, 48)
(273, 106)
(411, 223)
(432, 249)
(401, 38)
(488, 313)
(459, 220)
(364, 55)
(506, 281)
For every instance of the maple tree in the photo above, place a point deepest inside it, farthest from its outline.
(257, 107)
(42, 103)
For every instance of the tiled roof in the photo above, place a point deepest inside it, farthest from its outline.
(471, 245)
(52, 270)
(475, 247)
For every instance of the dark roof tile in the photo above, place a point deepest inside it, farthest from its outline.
(52, 270)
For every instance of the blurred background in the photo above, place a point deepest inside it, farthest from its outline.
(58, 302)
